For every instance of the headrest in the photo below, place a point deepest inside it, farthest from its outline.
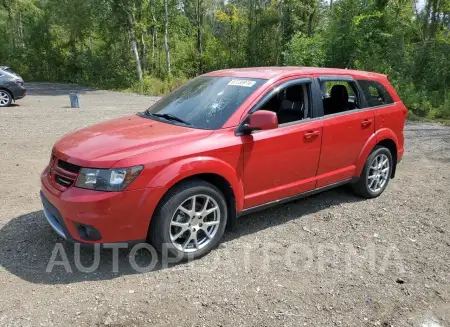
(339, 92)
(286, 104)
(295, 93)
(291, 105)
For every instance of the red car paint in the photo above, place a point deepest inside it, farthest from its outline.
(260, 167)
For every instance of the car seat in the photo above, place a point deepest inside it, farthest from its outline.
(338, 100)
(292, 106)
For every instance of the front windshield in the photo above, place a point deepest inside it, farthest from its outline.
(205, 102)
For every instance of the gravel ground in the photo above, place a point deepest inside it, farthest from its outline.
(328, 260)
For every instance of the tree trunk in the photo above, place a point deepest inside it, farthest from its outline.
(143, 47)
(310, 23)
(154, 42)
(143, 52)
(22, 42)
(435, 17)
(159, 57)
(426, 22)
(279, 32)
(134, 47)
(249, 34)
(199, 36)
(154, 33)
(166, 37)
(230, 48)
(139, 10)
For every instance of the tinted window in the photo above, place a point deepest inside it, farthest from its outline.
(9, 70)
(339, 96)
(375, 93)
(291, 103)
(205, 102)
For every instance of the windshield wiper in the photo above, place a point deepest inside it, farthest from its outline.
(169, 117)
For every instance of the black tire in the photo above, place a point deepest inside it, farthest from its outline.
(160, 226)
(361, 187)
(5, 94)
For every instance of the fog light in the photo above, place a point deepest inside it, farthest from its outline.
(88, 233)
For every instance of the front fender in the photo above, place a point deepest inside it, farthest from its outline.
(380, 135)
(189, 167)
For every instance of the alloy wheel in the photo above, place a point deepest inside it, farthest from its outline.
(195, 223)
(378, 173)
(4, 98)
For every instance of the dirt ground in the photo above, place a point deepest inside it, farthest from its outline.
(328, 260)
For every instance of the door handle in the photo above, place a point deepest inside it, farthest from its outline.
(366, 122)
(311, 134)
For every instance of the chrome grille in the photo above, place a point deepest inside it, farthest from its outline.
(63, 181)
(62, 173)
(69, 167)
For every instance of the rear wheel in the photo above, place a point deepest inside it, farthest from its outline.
(190, 221)
(376, 173)
(5, 98)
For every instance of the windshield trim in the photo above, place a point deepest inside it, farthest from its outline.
(170, 122)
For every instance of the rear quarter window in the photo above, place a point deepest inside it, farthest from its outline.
(375, 93)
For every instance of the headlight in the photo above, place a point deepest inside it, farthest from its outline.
(107, 179)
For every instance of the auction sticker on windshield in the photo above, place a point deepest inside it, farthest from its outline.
(241, 82)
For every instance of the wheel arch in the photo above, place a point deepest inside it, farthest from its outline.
(383, 137)
(2, 88)
(224, 186)
(212, 170)
(392, 147)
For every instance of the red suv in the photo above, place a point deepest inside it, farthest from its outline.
(225, 144)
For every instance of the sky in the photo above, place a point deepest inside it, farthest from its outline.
(420, 4)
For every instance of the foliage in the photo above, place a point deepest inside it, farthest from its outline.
(305, 51)
(155, 86)
(106, 42)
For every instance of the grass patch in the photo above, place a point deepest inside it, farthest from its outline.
(155, 86)
(414, 117)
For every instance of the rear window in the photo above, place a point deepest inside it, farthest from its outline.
(9, 70)
(375, 93)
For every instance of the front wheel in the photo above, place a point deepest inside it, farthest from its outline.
(376, 173)
(190, 220)
(5, 98)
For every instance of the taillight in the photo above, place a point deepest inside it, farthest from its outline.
(404, 110)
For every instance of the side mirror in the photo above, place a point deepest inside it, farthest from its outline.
(262, 120)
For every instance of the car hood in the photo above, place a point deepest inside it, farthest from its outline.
(102, 145)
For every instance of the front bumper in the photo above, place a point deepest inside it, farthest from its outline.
(117, 216)
(54, 218)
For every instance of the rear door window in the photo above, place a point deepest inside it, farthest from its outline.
(339, 96)
(375, 93)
